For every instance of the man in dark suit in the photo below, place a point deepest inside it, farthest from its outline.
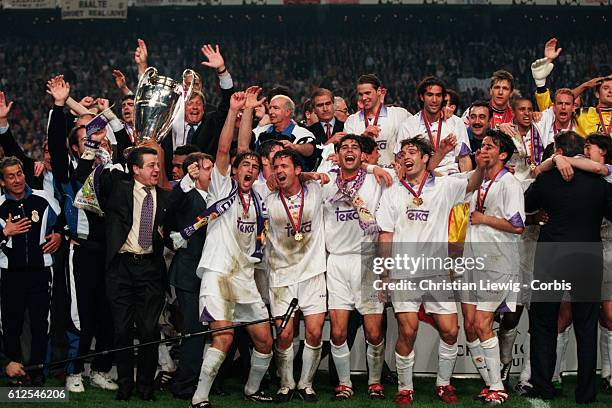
(196, 127)
(134, 207)
(186, 202)
(576, 209)
(328, 129)
(327, 126)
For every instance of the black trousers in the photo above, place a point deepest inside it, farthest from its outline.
(24, 289)
(89, 309)
(543, 328)
(191, 351)
(135, 291)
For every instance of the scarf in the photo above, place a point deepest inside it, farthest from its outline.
(350, 195)
(218, 208)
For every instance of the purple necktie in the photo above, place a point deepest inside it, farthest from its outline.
(145, 233)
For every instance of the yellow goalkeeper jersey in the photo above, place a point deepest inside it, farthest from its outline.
(587, 120)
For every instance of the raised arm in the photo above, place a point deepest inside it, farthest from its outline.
(475, 180)
(227, 133)
(216, 61)
(592, 83)
(140, 57)
(120, 82)
(446, 146)
(7, 140)
(58, 128)
(246, 123)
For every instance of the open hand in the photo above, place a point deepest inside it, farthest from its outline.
(15, 228)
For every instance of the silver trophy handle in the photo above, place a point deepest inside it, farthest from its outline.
(165, 130)
(149, 72)
(193, 78)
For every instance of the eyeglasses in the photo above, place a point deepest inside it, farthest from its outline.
(345, 111)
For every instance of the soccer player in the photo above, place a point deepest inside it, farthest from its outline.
(228, 292)
(296, 261)
(559, 117)
(529, 143)
(430, 123)
(349, 203)
(497, 218)
(588, 119)
(501, 90)
(502, 86)
(376, 120)
(529, 140)
(415, 210)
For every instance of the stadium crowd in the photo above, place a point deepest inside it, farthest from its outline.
(297, 62)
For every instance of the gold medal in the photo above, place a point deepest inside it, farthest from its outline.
(418, 201)
(298, 236)
(532, 167)
(35, 216)
(245, 216)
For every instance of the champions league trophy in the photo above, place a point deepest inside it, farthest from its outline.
(156, 104)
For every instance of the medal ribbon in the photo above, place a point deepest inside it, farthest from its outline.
(557, 130)
(604, 129)
(532, 143)
(245, 206)
(417, 193)
(365, 116)
(480, 202)
(436, 142)
(296, 225)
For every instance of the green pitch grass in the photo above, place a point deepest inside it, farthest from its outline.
(466, 389)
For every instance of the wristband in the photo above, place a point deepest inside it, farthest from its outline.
(223, 71)
(370, 168)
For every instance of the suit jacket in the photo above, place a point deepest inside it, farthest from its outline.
(183, 208)
(569, 246)
(319, 132)
(207, 135)
(575, 208)
(117, 200)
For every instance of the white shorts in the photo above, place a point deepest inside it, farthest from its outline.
(215, 308)
(349, 286)
(438, 302)
(229, 298)
(493, 299)
(311, 295)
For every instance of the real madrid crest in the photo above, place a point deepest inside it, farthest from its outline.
(35, 216)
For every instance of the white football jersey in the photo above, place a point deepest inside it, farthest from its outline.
(547, 123)
(504, 200)
(389, 122)
(524, 150)
(415, 127)
(290, 261)
(425, 225)
(230, 238)
(343, 235)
